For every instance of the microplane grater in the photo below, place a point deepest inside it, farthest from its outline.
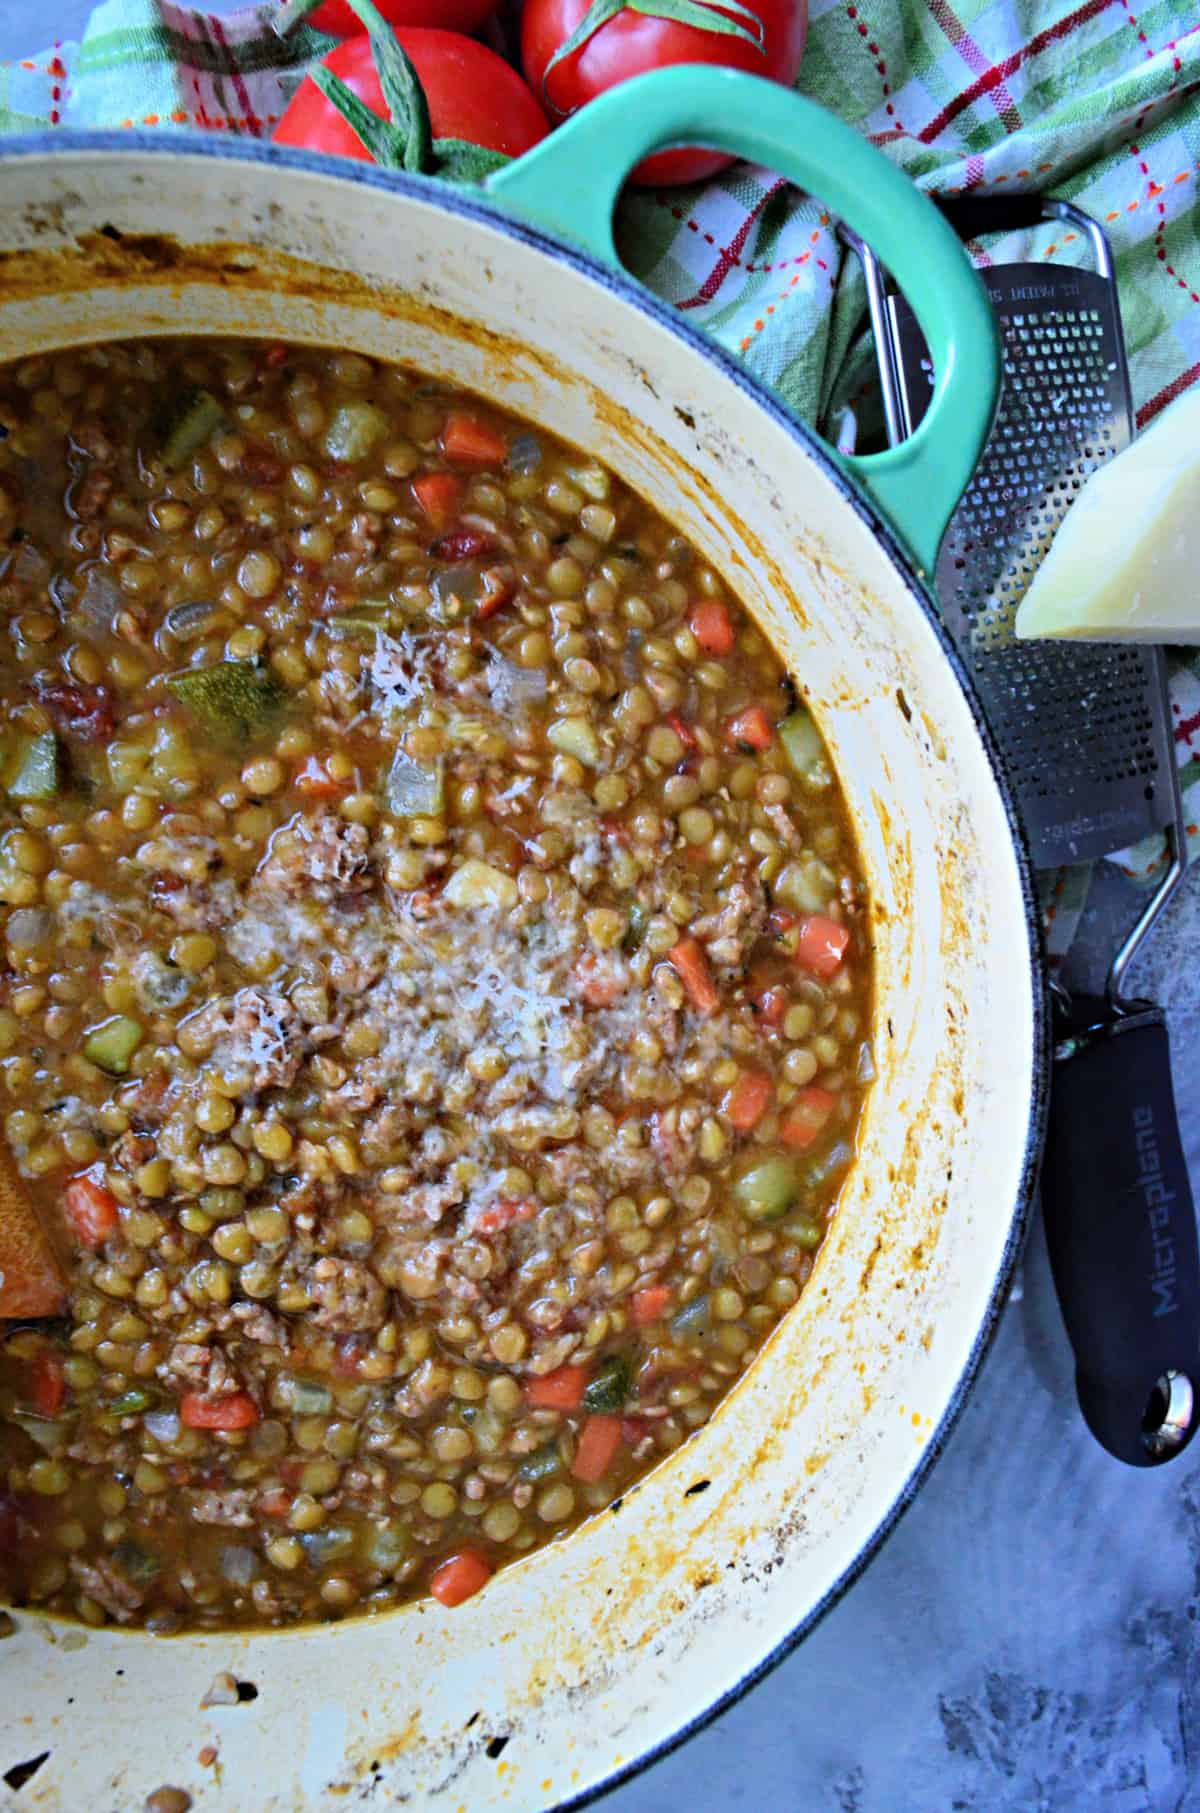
(1084, 727)
(1086, 731)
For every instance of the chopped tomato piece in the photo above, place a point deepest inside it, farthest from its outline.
(314, 780)
(275, 1502)
(504, 1214)
(275, 356)
(771, 1007)
(460, 1577)
(561, 1389)
(690, 961)
(683, 730)
(751, 729)
(463, 544)
(499, 589)
(712, 626)
(804, 1119)
(90, 1211)
(86, 712)
(471, 442)
(821, 944)
(749, 1099)
(438, 493)
(598, 1444)
(650, 1304)
(47, 1386)
(237, 1411)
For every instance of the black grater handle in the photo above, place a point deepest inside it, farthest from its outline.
(971, 215)
(1121, 1230)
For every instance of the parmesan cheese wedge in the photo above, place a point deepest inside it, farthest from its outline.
(1125, 565)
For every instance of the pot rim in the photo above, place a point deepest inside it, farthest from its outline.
(483, 211)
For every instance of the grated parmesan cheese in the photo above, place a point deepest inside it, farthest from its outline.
(401, 670)
(261, 1041)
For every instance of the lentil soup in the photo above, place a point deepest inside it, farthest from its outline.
(437, 984)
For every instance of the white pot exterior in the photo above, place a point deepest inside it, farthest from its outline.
(604, 1646)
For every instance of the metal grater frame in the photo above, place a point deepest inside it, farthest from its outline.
(1084, 727)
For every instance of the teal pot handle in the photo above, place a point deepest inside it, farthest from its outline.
(569, 185)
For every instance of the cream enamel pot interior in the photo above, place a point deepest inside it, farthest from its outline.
(604, 1648)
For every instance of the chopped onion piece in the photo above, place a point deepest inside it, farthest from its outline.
(411, 790)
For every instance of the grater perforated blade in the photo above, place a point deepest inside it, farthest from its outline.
(1084, 727)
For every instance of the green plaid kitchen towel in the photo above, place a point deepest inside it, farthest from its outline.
(1095, 100)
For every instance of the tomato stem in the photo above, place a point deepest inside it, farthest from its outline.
(405, 142)
(700, 14)
(291, 13)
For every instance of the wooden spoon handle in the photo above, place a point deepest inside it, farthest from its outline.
(32, 1282)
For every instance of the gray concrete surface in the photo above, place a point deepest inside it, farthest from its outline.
(1027, 1641)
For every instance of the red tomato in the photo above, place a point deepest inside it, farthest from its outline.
(336, 18)
(472, 94)
(633, 42)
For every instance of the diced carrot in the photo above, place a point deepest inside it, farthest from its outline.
(437, 493)
(90, 1211)
(198, 1411)
(712, 626)
(650, 1304)
(47, 1386)
(804, 1119)
(689, 960)
(683, 730)
(751, 729)
(460, 1577)
(471, 442)
(598, 1444)
(821, 944)
(771, 1005)
(561, 1389)
(504, 1214)
(749, 1099)
(314, 780)
(499, 589)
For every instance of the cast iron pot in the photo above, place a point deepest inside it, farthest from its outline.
(602, 1650)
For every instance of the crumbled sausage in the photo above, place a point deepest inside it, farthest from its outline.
(324, 858)
(346, 1295)
(233, 1507)
(103, 1581)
